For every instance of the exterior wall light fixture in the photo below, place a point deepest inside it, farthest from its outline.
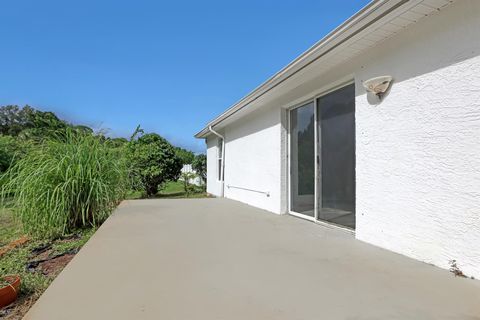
(378, 85)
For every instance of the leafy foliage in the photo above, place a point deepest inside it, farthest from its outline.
(30, 123)
(65, 183)
(200, 166)
(41, 124)
(185, 155)
(14, 119)
(187, 186)
(153, 161)
(64, 176)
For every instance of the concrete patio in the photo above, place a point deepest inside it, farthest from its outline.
(219, 259)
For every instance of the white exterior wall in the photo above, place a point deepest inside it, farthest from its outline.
(252, 160)
(417, 152)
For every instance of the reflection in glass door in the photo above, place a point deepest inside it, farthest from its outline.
(336, 145)
(329, 124)
(302, 160)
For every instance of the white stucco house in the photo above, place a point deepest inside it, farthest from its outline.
(400, 171)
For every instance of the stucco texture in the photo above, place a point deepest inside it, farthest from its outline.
(249, 165)
(417, 152)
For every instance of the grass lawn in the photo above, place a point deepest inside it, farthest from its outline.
(176, 189)
(173, 190)
(173, 187)
(37, 261)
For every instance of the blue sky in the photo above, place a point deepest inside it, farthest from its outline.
(170, 66)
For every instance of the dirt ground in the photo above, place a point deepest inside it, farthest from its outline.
(45, 262)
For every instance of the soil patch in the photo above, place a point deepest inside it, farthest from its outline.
(52, 267)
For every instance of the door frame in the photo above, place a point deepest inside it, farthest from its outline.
(313, 98)
(289, 184)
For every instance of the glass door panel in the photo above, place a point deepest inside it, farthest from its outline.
(302, 160)
(336, 145)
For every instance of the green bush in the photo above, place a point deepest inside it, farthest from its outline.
(66, 183)
(153, 161)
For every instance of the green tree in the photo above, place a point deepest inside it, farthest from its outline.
(185, 155)
(14, 119)
(42, 124)
(153, 161)
(31, 124)
(199, 164)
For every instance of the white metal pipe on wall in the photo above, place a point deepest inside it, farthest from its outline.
(222, 166)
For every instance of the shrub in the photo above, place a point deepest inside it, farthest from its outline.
(200, 166)
(187, 186)
(66, 183)
(153, 161)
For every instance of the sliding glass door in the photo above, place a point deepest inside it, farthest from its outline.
(324, 129)
(336, 145)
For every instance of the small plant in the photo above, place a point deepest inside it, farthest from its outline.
(4, 283)
(186, 177)
(455, 269)
(200, 166)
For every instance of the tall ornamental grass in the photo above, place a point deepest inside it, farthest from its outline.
(70, 182)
